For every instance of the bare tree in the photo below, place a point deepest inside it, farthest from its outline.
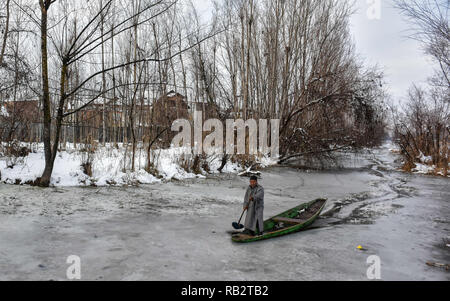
(5, 31)
(295, 61)
(431, 28)
(104, 63)
(421, 127)
(82, 44)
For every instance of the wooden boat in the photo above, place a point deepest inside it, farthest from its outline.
(291, 221)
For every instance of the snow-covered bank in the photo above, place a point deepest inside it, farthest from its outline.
(111, 166)
(424, 164)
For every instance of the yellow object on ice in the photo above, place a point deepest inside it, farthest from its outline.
(360, 247)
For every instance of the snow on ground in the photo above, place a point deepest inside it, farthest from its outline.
(424, 166)
(67, 171)
(3, 111)
(424, 169)
(425, 159)
(110, 166)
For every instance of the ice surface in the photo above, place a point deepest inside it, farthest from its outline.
(178, 230)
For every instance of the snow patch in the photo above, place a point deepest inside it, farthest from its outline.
(425, 159)
(111, 167)
(168, 164)
(424, 169)
(3, 111)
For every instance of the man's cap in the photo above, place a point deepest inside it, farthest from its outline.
(253, 178)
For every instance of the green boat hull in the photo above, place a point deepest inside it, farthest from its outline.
(270, 225)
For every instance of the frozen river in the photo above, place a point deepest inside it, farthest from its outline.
(178, 230)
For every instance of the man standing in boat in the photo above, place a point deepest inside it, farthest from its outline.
(254, 204)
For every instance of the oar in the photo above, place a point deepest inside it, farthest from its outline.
(238, 225)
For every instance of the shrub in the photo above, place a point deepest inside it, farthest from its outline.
(87, 155)
(15, 153)
(422, 130)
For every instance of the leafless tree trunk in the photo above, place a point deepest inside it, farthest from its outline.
(45, 179)
(6, 31)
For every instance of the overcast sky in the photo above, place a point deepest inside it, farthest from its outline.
(382, 42)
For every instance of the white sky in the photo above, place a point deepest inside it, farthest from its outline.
(384, 42)
(380, 42)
